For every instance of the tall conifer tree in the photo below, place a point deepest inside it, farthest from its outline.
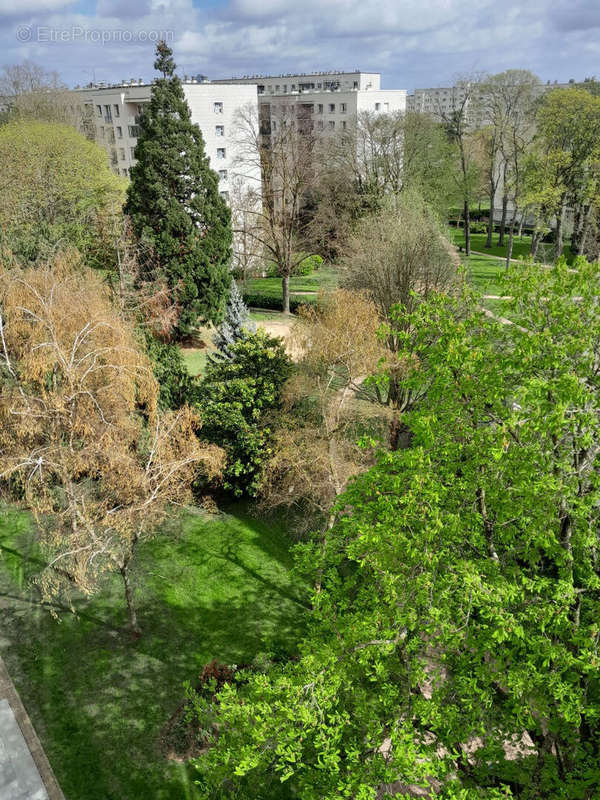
(174, 203)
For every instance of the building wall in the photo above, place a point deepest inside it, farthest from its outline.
(308, 82)
(116, 112)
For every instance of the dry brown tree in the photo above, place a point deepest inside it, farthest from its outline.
(82, 442)
(315, 450)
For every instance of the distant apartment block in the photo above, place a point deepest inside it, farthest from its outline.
(443, 100)
(116, 111)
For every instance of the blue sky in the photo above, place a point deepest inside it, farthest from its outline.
(413, 43)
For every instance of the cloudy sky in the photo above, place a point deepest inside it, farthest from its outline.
(413, 43)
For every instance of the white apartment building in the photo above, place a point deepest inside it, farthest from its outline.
(116, 111)
(328, 100)
(443, 100)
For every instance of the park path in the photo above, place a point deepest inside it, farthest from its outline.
(25, 772)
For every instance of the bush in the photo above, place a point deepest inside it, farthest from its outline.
(237, 400)
(308, 265)
(176, 385)
(274, 302)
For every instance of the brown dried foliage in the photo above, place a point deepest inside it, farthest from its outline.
(81, 437)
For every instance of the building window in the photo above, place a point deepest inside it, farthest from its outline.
(132, 152)
(220, 152)
(125, 173)
(320, 108)
(285, 87)
(219, 130)
(107, 114)
(277, 87)
(102, 131)
(377, 106)
(331, 124)
(134, 131)
(320, 125)
(344, 124)
(225, 196)
(117, 112)
(119, 132)
(218, 108)
(222, 174)
(342, 108)
(99, 110)
(331, 108)
(356, 84)
(122, 153)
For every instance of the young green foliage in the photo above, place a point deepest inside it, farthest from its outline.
(453, 644)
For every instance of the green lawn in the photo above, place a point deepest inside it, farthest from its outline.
(324, 279)
(194, 359)
(207, 587)
(521, 247)
(484, 273)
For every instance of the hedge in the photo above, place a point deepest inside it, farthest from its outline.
(272, 303)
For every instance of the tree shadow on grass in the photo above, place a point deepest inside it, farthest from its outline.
(99, 699)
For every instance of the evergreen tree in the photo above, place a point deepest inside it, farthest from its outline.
(174, 202)
(235, 327)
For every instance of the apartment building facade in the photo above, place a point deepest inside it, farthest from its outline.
(325, 101)
(116, 111)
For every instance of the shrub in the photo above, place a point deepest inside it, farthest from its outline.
(308, 265)
(237, 400)
(274, 302)
(169, 370)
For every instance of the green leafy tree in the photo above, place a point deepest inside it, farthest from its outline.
(174, 203)
(57, 189)
(237, 400)
(453, 646)
(567, 152)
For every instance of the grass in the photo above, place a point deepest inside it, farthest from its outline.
(521, 247)
(194, 359)
(484, 273)
(324, 279)
(206, 587)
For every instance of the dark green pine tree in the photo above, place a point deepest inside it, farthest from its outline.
(174, 203)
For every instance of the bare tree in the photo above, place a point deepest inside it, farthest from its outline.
(461, 123)
(81, 436)
(508, 102)
(32, 92)
(245, 203)
(399, 255)
(274, 149)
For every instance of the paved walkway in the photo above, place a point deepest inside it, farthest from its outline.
(25, 773)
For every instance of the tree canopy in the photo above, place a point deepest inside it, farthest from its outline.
(452, 647)
(174, 202)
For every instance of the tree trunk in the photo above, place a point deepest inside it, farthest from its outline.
(584, 230)
(285, 283)
(467, 213)
(521, 222)
(490, 230)
(509, 248)
(133, 622)
(503, 220)
(558, 235)
(535, 240)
